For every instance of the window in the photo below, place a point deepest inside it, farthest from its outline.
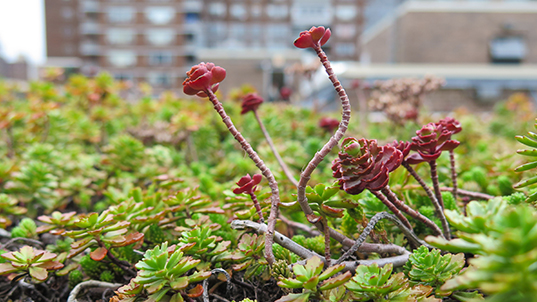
(237, 31)
(345, 49)
(67, 13)
(277, 35)
(160, 58)
(255, 10)
(217, 9)
(275, 11)
(159, 79)
(346, 12)
(345, 31)
(122, 58)
(160, 14)
(312, 13)
(123, 76)
(192, 18)
(120, 36)
(238, 11)
(120, 14)
(217, 33)
(511, 49)
(160, 36)
(256, 35)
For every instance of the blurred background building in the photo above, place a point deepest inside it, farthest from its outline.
(158, 40)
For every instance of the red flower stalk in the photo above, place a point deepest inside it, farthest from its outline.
(364, 165)
(203, 77)
(248, 184)
(329, 124)
(315, 37)
(429, 143)
(251, 102)
(450, 124)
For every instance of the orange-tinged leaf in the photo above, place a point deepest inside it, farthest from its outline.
(195, 292)
(38, 273)
(98, 254)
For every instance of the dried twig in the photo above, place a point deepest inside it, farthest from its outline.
(87, 284)
(206, 284)
(471, 194)
(453, 173)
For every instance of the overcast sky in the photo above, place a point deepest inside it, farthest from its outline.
(22, 29)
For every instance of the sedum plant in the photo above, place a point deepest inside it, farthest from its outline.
(249, 255)
(373, 283)
(164, 273)
(30, 261)
(313, 280)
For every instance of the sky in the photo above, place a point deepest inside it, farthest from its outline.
(22, 30)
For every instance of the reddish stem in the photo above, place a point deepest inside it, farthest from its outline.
(436, 185)
(438, 209)
(319, 156)
(393, 208)
(269, 240)
(453, 173)
(410, 211)
(285, 169)
(257, 207)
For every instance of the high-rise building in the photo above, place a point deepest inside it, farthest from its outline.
(158, 40)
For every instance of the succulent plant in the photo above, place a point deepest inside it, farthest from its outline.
(9, 207)
(56, 223)
(315, 37)
(26, 229)
(202, 77)
(251, 102)
(249, 255)
(164, 273)
(320, 199)
(200, 243)
(309, 278)
(329, 124)
(362, 164)
(429, 143)
(504, 237)
(30, 261)
(529, 140)
(372, 283)
(431, 268)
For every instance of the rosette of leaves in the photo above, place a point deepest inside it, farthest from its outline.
(312, 280)
(201, 244)
(57, 222)
(164, 273)
(320, 199)
(26, 229)
(249, 255)
(505, 238)
(30, 261)
(431, 268)
(125, 153)
(362, 164)
(100, 230)
(139, 214)
(188, 201)
(9, 207)
(372, 283)
(529, 140)
(429, 143)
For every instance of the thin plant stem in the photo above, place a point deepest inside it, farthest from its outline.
(367, 230)
(88, 284)
(438, 209)
(436, 185)
(275, 198)
(471, 194)
(257, 207)
(393, 208)
(453, 173)
(326, 230)
(284, 167)
(305, 176)
(410, 211)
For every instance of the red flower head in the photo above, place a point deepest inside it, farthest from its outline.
(203, 77)
(329, 124)
(402, 146)
(251, 102)
(362, 164)
(248, 184)
(315, 37)
(450, 124)
(430, 141)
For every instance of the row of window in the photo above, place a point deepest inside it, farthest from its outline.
(154, 36)
(154, 78)
(127, 58)
(154, 14)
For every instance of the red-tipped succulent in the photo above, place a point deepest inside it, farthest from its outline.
(429, 143)
(248, 184)
(402, 146)
(251, 102)
(450, 124)
(203, 77)
(329, 124)
(315, 37)
(362, 164)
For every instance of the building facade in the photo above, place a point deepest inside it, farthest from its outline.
(158, 40)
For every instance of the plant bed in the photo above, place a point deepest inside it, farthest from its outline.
(103, 200)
